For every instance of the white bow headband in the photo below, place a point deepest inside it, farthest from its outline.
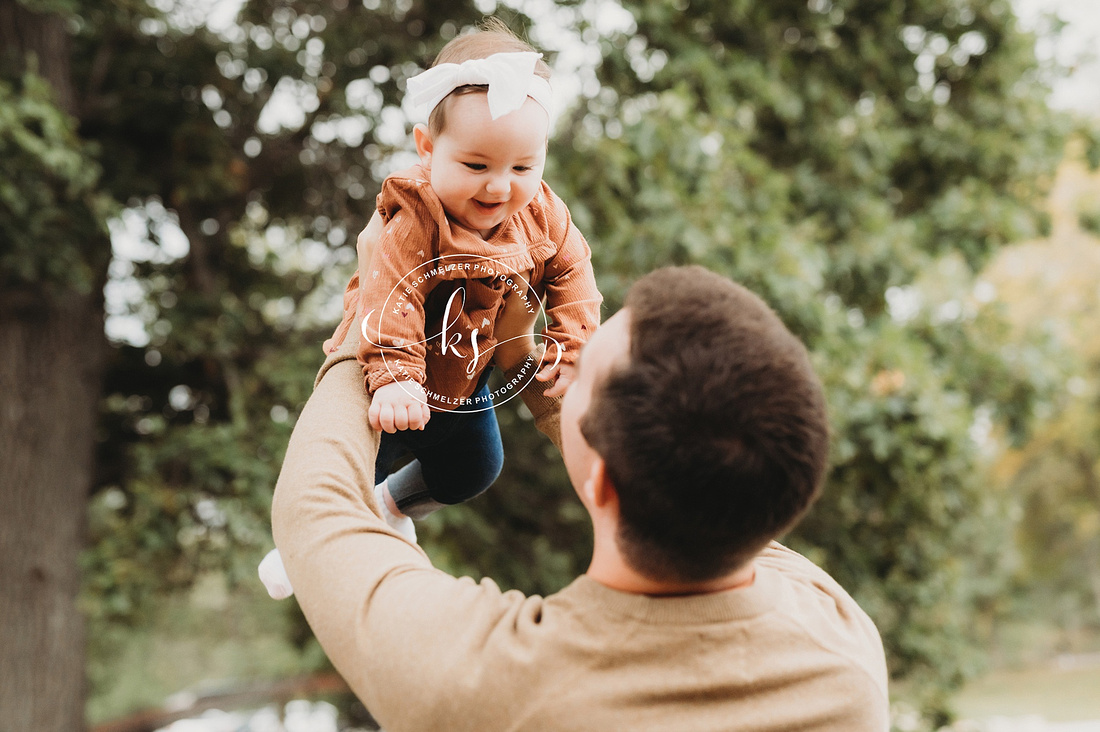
(511, 79)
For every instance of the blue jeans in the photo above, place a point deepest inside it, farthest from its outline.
(457, 455)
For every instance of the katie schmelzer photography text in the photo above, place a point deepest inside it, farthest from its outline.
(399, 303)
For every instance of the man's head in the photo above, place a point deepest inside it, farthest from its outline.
(709, 421)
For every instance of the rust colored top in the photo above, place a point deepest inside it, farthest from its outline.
(425, 266)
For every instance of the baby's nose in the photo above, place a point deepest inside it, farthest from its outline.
(497, 185)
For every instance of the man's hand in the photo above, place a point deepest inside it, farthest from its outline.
(563, 372)
(513, 328)
(400, 405)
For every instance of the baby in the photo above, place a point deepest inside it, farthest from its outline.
(470, 234)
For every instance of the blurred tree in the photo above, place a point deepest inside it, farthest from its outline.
(826, 153)
(53, 262)
(1048, 287)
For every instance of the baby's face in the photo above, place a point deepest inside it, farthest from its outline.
(484, 170)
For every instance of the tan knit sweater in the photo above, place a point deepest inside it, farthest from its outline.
(427, 651)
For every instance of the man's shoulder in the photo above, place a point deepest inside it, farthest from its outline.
(798, 569)
(810, 582)
(825, 611)
(785, 559)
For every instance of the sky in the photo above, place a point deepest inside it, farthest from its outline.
(1081, 91)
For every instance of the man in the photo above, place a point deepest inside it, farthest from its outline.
(694, 434)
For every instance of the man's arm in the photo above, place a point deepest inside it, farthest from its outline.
(399, 631)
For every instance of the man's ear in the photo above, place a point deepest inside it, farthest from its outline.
(423, 138)
(599, 492)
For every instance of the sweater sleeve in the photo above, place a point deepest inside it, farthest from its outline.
(572, 299)
(398, 630)
(394, 294)
(545, 410)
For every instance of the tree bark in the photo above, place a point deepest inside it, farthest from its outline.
(51, 363)
(24, 36)
(52, 356)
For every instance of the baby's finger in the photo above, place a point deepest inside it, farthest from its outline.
(418, 416)
(401, 417)
(372, 416)
(385, 418)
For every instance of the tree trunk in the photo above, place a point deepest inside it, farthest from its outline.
(25, 35)
(51, 362)
(52, 356)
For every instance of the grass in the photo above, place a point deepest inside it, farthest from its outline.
(197, 639)
(1055, 694)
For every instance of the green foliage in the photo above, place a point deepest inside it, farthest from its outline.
(196, 420)
(1058, 484)
(52, 215)
(60, 7)
(1090, 132)
(1054, 477)
(1089, 220)
(923, 546)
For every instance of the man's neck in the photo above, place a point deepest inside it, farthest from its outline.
(609, 569)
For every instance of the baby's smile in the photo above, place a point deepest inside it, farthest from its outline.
(488, 207)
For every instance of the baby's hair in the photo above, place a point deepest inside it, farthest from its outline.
(492, 36)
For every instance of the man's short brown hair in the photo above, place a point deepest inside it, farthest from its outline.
(714, 432)
(492, 36)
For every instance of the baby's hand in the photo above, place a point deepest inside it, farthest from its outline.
(563, 372)
(399, 405)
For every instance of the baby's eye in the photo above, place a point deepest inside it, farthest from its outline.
(522, 168)
(475, 166)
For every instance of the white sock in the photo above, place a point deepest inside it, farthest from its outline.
(273, 575)
(402, 524)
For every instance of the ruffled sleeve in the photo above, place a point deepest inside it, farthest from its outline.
(572, 299)
(394, 294)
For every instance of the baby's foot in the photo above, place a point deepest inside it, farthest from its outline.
(273, 575)
(402, 524)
